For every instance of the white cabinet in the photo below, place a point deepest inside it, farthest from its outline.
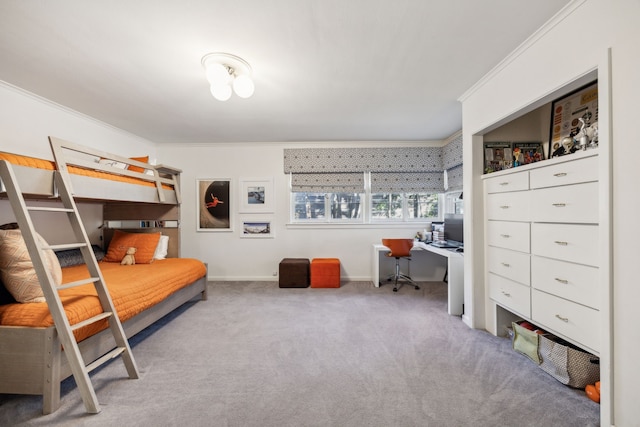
(541, 234)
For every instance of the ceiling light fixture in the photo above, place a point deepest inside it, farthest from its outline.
(225, 71)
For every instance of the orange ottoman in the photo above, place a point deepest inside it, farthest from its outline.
(325, 273)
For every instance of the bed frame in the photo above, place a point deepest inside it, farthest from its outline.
(32, 360)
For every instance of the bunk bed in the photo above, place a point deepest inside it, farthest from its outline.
(32, 360)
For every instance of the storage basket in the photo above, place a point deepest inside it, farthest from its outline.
(567, 364)
(525, 342)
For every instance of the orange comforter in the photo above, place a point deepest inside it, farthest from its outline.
(33, 162)
(133, 289)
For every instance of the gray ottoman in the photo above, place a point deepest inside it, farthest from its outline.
(294, 273)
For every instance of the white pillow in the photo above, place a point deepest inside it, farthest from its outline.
(17, 270)
(162, 248)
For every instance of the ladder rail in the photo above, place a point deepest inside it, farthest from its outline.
(50, 289)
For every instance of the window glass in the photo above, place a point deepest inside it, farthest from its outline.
(345, 205)
(308, 206)
(422, 205)
(386, 206)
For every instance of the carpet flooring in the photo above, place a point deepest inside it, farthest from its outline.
(257, 355)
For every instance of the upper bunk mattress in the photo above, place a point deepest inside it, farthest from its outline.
(133, 289)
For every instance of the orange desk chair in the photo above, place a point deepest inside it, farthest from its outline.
(399, 248)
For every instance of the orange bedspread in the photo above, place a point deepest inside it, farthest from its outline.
(33, 162)
(133, 289)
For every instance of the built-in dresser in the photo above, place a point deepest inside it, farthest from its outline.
(541, 257)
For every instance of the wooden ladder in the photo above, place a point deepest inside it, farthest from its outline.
(79, 367)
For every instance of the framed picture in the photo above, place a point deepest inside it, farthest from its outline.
(256, 195)
(257, 229)
(566, 113)
(497, 156)
(527, 152)
(214, 204)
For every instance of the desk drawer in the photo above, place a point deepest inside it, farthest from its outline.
(508, 235)
(574, 282)
(571, 203)
(576, 322)
(568, 242)
(570, 172)
(510, 294)
(512, 206)
(510, 264)
(508, 182)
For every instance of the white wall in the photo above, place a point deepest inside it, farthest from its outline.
(572, 47)
(231, 257)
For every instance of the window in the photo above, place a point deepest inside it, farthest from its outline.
(405, 206)
(314, 206)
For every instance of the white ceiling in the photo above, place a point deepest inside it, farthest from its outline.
(324, 70)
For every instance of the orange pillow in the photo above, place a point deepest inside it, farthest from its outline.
(144, 159)
(145, 243)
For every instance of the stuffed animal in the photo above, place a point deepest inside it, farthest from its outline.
(129, 258)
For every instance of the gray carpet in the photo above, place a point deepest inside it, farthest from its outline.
(257, 355)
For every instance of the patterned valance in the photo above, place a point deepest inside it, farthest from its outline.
(329, 160)
(383, 182)
(452, 153)
(454, 178)
(327, 182)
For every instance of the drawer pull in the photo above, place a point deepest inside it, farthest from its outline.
(504, 207)
(564, 319)
(504, 183)
(506, 294)
(506, 236)
(563, 281)
(505, 264)
(560, 174)
(559, 205)
(561, 243)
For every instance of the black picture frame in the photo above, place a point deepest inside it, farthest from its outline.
(497, 156)
(566, 111)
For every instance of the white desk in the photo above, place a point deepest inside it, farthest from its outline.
(455, 272)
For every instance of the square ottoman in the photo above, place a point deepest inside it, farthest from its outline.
(325, 273)
(294, 273)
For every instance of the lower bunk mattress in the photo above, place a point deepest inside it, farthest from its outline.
(133, 289)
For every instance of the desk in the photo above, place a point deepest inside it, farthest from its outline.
(455, 272)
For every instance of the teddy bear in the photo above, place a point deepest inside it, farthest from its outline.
(129, 258)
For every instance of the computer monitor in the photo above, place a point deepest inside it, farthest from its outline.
(453, 227)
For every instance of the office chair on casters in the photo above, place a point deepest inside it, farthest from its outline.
(399, 248)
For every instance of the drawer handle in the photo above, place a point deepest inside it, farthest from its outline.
(505, 207)
(559, 205)
(561, 243)
(506, 294)
(560, 174)
(563, 281)
(506, 236)
(505, 264)
(504, 183)
(564, 319)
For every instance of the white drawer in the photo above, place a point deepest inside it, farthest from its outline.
(571, 172)
(512, 206)
(568, 242)
(574, 321)
(510, 264)
(508, 182)
(574, 282)
(508, 235)
(572, 203)
(511, 295)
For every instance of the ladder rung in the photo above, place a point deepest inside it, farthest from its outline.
(77, 283)
(66, 246)
(91, 320)
(111, 355)
(46, 209)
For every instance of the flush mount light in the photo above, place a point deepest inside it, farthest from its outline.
(224, 72)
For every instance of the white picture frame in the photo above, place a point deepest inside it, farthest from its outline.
(256, 195)
(257, 229)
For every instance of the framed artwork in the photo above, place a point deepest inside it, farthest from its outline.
(214, 204)
(527, 152)
(497, 156)
(566, 115)
(256, 195)
(257, 229)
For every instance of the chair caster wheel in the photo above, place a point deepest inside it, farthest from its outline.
(395, 289)
(417, 288)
